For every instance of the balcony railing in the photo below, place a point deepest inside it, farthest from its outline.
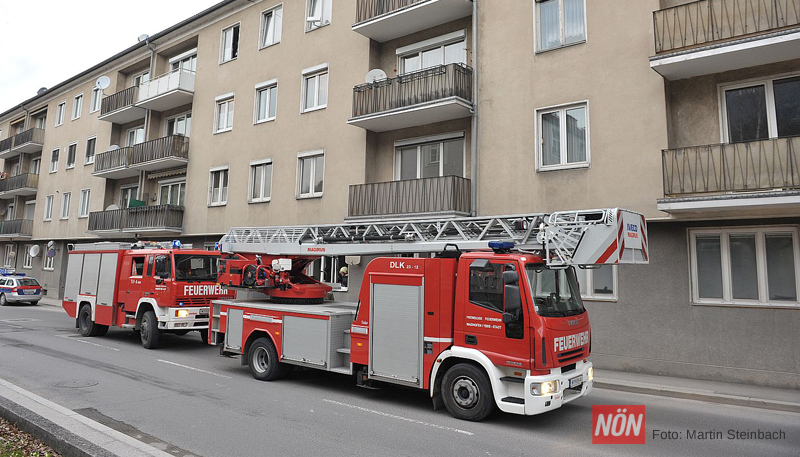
(446, 194)
(168, 91)
(708, 22)
(23, 181)
(173, 146)
(6, 144)
(370, 9)
(732, 167)
(151, 155)
(34, 135)
(143, 218)
(410, 89)
(19, 227)
(112, 160)
(121, 99)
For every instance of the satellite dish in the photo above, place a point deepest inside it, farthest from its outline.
(35, 250)
(41, 91)
(375, 75)
(51, 244)
(143, 37)
(2, 211)
(103, 82)
(113, 147)
(112, 207)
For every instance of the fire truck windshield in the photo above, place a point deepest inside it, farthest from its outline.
(555, 292)
(195, 267)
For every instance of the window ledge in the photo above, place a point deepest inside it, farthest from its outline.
(309, 30)
(70, 167)
(269, 45)
(264, 121)
(88, 163)
(262, 200)
(223, 130)
(51, 172)
(750, 305)
(223, 62)
(83, 217)
(48, 269)
(304, 197)
(90, 112)
(316, 108)
(214, 205)
(542, 51)
(564, 167)
(601, 299)
(47, 220)
(27, 268)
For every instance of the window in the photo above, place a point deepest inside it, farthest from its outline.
(315, 90)
(442, 50)
(66, 198)
(184, 62)
(223, 117)
(83, 208)
(126, 194)
(48, 207)
(71, 150)
(318, 14)
(745, 266)
(230, 43)
(563, 137)
(260, 181)
(218, 187)
(54, 161)
(266, 101)
(171, 192)
(40, 119)
(142, 78)
(77, 106)
(180, 125)
(36, 164)
(560, 22)
(28, 263)
(137, 266)
(310, 171)
(49, 261)
(30, 210)
(430, 159)
(15, 169)
(598, 283)
(91, 143)
(271, 24)
(8, 258)
(330, 270)
(97, 98)
(10, 214)
(60, 108)
(761, 110)
(486, 286)
(135, 136)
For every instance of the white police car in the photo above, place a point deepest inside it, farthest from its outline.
(18, 288)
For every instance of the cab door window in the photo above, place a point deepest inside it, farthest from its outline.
(163, 267)
(487, 290)
(137, 266)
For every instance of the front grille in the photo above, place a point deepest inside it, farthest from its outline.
(570, 355)
(193, 301)
(568, 368)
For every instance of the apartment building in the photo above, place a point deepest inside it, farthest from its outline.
(258, 113)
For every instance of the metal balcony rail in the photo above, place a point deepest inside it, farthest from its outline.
(16, 227)
(114, 159)
(370, 9)
(732, 167)
(161, 148)
(34, 135)
(121, 99)
(26, 180)
(6, 144)
(423, 86)
(142, 217)
(710, 21)
(412, 196)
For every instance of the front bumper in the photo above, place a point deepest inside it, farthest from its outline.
(14, 297)
(196, 319)
(537, 404)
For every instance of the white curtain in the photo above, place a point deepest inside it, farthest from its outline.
(574, 27)
(549, 35)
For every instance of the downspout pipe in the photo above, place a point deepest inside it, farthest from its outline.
(474, 139)
(152, 48)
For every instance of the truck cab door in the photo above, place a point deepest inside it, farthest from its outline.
(131, 281)
(161, 278)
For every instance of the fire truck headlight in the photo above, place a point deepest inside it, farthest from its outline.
(590, 373)
(182, 313)
(544, 388)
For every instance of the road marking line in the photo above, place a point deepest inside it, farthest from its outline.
(393, 416)
(83, 340)
(195, 369)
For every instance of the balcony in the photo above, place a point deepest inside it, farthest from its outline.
(446, 195)
(16, 229)
(734, 176)
(160, 154)
(713, 36)
(30, 140)
(436, 94)
(23, 185)
(384, 20)
(5, 145)
(168, 91)
(119, 108)
(153, 220)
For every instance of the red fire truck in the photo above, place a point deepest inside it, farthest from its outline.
(501, 326)
(148, 287)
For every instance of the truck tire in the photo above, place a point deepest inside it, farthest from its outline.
(262, 358)
(204, 336)
(467, 392)
(102, 330)
(149, 330)
(86, 326)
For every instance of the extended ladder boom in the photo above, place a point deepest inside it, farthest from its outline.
(601, 236)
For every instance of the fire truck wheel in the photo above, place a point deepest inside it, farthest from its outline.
(467, 392)
(263, 360)
(102, 330)
(85, 324)
(204, 336)
(149, 330)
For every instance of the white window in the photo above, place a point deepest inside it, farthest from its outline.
(77, 106)
(72, 149)
(430, 159)
(141, 78)
(15, 169)
(230, 43)
(271, 25)
(318, 13)
(36, 164)
(745, 266)
(223, 116)
(91, 144)
(66, 198)
(48, 208)
(171, 192)
(184, 62)
(60, 113)
(180, 125)
(563, 137)
(49, 262)
(28, 263)
(218, 187)
(83, 208)
(760, 110)
(442, 50)
(40, 119)
(126, 194)
(9, 260)
(97, 98)
(266, 101)
(30, 210)
(135, 136)
(315, 90)
(54, 160)
(10, 213)
(330, 270)
(260, 181)
(598, 283)
(310, 173)
(560, 23)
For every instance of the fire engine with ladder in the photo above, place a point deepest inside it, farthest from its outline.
(493, 318)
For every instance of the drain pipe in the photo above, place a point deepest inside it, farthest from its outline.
(152, 48)
(474, 139)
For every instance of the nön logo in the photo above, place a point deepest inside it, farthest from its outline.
(618, 424)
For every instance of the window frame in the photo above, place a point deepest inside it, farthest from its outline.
(314, 72)
(218, 102)
(537, 28)
(35, 166)
(128, 135)
(127, 187)
(61, 109)
(767, 82)
(74, 148)
(459, 36)
(422, 141)
(313, 175)
(48, 208)
(77, 106)
(54, 164)
(587, 293)
(170, 183)
(66, 202)
(562, 109)
(262, 33)
(96, 100)
(327, 8)
(83, 210)
(222, 201)
(262, 198)
(180, 58)
(727, 300)
(265, 87)
(27, 263)
(236, 38)
(49, 263)
(187, 115)
(86, 159)
(8, 261)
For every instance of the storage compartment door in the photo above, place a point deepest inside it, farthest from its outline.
(72, 284)
(306, 340)
(396, 333)
(233, 334)
(91, 272)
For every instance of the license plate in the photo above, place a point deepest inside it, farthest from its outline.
(574, 382)
(29, 291)
(203, 311)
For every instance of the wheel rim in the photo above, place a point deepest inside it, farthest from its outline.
(3, 299)
(84, 320)
(260, 360)
(145, 330)
(465, 392)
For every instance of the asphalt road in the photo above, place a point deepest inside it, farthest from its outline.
(186, 399)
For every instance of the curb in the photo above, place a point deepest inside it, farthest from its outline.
(707, 396)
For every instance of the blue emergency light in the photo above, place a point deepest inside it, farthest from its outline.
(176, 244)
(500, 246)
